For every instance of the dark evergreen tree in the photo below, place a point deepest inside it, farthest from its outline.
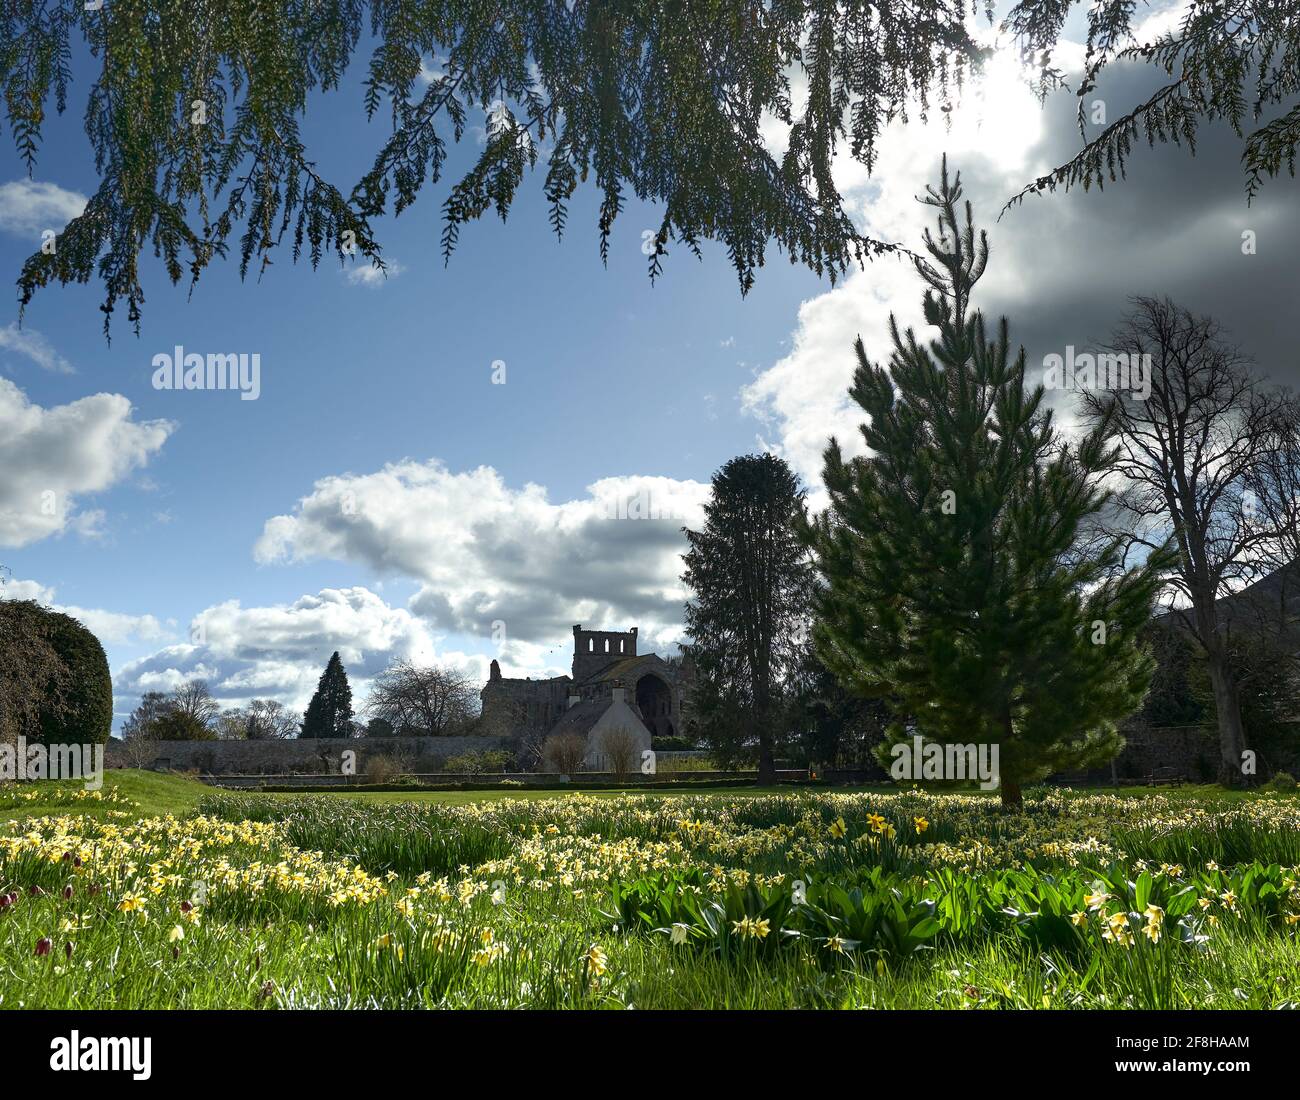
(329, 714)
(750, 577)
(837, 728)
(963, 572)
(200, 117)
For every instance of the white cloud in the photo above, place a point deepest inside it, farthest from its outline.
(994, 136)
(279, 651)
(30, 343)
(107, 626)
(486, 553)
(52, 456)
(28, 208)
(371, 277)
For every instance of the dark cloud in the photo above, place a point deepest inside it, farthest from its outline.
(1065, 264)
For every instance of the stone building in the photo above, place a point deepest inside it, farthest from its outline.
(611, 687)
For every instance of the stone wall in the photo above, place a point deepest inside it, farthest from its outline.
(1190, 750)
(294, 756)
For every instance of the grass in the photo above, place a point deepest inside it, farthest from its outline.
(168, 893)
(148, 794)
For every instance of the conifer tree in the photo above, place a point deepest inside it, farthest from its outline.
(749, 578)
(964, 577)
(329, 714)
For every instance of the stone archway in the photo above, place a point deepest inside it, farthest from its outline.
(654, 702)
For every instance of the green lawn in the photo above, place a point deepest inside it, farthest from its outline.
(159, 793)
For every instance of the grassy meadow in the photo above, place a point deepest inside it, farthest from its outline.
(159, 892)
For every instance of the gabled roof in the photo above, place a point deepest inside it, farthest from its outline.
(580, 717)
(624, 667)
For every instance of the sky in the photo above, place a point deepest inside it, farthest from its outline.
(458, 462)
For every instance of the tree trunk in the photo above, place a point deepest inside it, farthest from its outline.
(1011, 799)
(766, 764)
(1227, 706)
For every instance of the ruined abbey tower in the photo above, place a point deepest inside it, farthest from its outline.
(610, 684)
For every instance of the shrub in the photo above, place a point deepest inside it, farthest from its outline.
(478, 762)
(1282, 781)
(563, 752)
(33, 679)
(382, 768)
(177, 725)
(88, 718)
(618, 747)
(56, 683)
(672, 744)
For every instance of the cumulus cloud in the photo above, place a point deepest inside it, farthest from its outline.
(32, 345)
(486, 553)
(279, 651)
(111, 627)
(28, 208)
(1062, 267)
(52, 456)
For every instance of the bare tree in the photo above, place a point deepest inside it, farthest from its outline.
(427, 701)
(1188, 451)
(261, 720)
(619, 748)
(138, 752)
(231, 725)
(195, 701)
(563, 752)
(142, 725)
(270, 720)
(1274, 487)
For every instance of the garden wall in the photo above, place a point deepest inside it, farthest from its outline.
(302, 755)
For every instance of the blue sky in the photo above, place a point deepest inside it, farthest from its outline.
(383, 497)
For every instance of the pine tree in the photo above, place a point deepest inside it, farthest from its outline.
(964, 578)
(329, 714)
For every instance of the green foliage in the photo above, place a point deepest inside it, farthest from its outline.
(750, 583)
(34, 681)
(1069, 912)
(1282, 781)
(1171, 700)
(329, 714)
(963, 579)
(837, 727)
(195, 115)
(55, 684)
(88, 717)
(1227, 64)
(672, 744)
(658, 101)
(176, 725)
(478, 762)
